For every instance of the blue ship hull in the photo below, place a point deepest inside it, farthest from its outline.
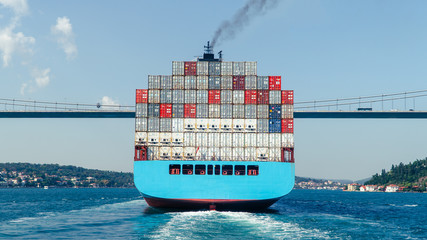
(164, 190)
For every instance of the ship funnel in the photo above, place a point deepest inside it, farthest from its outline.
(209, 56)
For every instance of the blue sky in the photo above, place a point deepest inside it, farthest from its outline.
(101, 51)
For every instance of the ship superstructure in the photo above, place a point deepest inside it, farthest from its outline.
(214, 135)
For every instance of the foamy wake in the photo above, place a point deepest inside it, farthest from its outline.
(228, 225)
(51, 222)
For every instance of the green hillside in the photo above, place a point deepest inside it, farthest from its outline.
(39, 175)
(413, 176)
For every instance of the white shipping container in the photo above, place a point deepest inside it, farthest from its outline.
(275, 140)
(287, 111)
(165, 138)
(190, 82)
(226, 153)
(141, 138)
(226, 111)
(238, 125)
(239, 68)
(239, 111)
(165, 152)
(250, 154)
(287, 140)
(262, 111)
(202, 153)
(226, 139)
(177, 68)
(251, 68)
(153, 82)
(202, 68)
(250, 140)
(141, 110)
(226, 97)
(190, 96)
(202, 96)
(214, 153)
(177, 96)
(177, 153)
(226, 125)
(153, 153)
(189, 153)
(214, 111)
(177, 124)
(263, 140)
(153, 96)
(178, 82)
(189, 124)
(250, 82)
(201, 140)
(153, 138)
(202, 124)
(250, 125)
(214, 139)
(250, 110)
(177, 139)
(238, 97)
(202, 82)
(214, 125)
(238, 154)
(275, 97)
(227, 68)
(140, 124)
(238, 139)
(275, 155)
(189, 139)
(165, 82)
(226, 82)
(262, 154)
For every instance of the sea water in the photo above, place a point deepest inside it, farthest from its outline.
(123, 214)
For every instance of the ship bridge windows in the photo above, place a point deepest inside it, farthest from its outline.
(239, 170)
(227, 169)
(174, 169)
(187, 169)
(253, 170)
(217, 169)
(200, 169)
(210, 169)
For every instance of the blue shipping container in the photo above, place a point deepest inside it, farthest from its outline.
(275, 125)
(275, 111)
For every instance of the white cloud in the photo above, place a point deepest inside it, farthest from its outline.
(42, 77)
(19, 7)
(106, 103)
(63, 31)
(11, 41)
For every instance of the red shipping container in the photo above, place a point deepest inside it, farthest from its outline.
(165, 110)
(287, 97)
(275, 82)
(238, 82)
(141, 95)
(190, 68)
(214, 97)
(263, 97)
(287, 126)
(251, 97)
(190, 110)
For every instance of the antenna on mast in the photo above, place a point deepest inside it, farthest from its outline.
(208, 48)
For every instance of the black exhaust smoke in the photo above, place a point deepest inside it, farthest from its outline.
(229, 28)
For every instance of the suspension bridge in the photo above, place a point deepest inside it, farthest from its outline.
(375, 106)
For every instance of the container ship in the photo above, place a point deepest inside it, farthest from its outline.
(214, 135)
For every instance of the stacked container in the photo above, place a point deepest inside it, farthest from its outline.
(212, 110)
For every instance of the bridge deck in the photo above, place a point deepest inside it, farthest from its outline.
(297, 114)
